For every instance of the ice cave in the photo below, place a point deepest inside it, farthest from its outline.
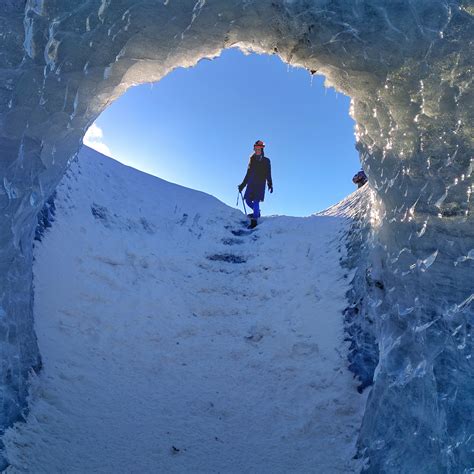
(407, 66)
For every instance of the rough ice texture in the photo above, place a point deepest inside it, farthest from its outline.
(359, 324)
(407, 64)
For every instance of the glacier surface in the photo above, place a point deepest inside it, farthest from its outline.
(171, 344)
(407, 65)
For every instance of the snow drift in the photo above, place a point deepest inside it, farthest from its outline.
(175, 340)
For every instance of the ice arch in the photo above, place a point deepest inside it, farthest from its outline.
(407, 65)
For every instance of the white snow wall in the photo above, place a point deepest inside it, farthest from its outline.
(407, 64)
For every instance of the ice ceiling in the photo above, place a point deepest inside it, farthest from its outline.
(407, 64)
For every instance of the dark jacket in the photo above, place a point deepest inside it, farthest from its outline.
(259, 171)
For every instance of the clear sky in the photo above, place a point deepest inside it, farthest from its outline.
(197, 127)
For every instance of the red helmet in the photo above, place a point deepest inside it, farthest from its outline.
(259, 144)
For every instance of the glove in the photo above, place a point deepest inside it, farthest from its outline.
(241, 187)
(270, 188)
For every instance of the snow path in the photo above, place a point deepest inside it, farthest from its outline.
(160, 356)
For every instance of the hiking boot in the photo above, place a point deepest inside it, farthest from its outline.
(253, 223)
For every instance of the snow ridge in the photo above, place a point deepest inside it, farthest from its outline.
(175, 340)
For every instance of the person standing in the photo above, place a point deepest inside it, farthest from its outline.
(259, 173)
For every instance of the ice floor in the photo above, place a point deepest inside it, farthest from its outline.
(175, 341)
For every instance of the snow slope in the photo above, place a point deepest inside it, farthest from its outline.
(174, 340)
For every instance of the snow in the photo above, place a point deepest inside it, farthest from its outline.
(162, 355)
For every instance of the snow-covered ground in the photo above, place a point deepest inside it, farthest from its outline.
(176, 341)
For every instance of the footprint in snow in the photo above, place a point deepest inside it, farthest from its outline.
(232, 241)
(257, 333)
(241, 232)
(227, 257)
(303, 349)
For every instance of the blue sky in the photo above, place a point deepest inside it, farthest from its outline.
(197, 126)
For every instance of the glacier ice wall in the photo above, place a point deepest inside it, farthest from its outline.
(407, 64)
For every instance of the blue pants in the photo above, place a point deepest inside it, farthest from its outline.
(255, 205)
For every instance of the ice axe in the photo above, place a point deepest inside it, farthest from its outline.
(243, 202)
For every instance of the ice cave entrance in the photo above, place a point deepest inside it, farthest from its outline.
(407, 67)
(196, 128)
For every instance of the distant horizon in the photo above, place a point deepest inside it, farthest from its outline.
(216, 111)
